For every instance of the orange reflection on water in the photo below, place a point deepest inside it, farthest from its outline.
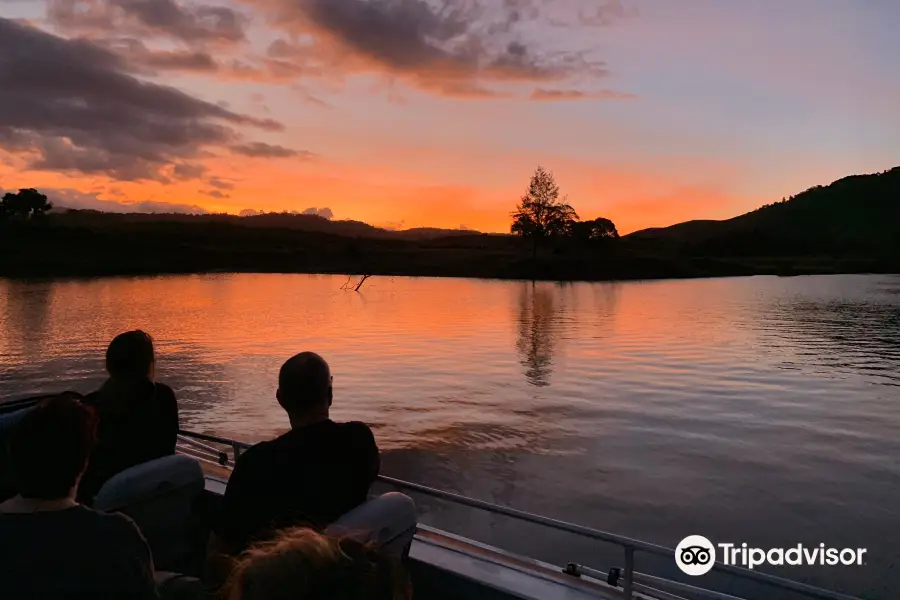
(566, 399)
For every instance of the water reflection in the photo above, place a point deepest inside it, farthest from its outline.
(25, 315)
(752, 409)
(537, 336)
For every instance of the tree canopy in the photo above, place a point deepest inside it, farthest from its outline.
(596, 229)
(541, 215)
(27, 203)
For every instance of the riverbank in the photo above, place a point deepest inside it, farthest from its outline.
(55, 248)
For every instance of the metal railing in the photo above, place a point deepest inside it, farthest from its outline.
(190, 438)
(631, 581)
(198, 446)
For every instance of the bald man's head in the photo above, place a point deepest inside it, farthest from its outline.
(304, 383)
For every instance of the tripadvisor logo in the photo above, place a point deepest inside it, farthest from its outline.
(695, 555)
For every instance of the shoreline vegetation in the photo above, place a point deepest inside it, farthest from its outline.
(850, 226)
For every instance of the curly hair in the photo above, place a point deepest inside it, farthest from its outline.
(302, 564)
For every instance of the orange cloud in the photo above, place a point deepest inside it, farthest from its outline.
(428, 187)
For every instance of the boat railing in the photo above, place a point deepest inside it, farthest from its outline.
(214, 450)
(631, 581)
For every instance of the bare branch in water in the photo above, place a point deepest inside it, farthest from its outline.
(349, 285)
(361, 281)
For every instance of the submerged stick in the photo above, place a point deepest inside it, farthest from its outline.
(361, 281)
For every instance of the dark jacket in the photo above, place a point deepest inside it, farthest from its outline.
(138, 422)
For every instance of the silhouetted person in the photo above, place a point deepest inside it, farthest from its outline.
(51, 547)
(303, 564)
(138, 417)
(8, 423)
(311, 475)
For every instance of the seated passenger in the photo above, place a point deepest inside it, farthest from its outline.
(53, 548)
(138, 417)
(8, 422)
(311, 475)
(307, 565)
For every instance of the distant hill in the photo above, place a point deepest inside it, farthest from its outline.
(850, 226)
(300, 222)
(854, 216)
(427, 233)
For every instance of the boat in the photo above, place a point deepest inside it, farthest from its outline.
(446, 566)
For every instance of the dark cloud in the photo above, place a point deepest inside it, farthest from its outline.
(281, 48)
(191, 24)
(63, 198)
(188, 171)
(544, 95)
(325, 212)
(136, 53)
(458, 48)
(443, 46)
(215, 194)
(218, 183)
(70, 105)
(179, 61)
(263, 150)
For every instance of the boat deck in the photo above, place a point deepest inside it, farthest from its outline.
(496, 573)
(444, 565)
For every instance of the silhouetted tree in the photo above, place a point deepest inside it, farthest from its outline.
(594, 230)
(26, 203)
(540, 214)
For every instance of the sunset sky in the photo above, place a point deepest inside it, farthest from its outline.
(408, 113)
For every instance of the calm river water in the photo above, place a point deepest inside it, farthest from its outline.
(762, 410)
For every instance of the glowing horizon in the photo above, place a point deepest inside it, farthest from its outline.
(401, 115)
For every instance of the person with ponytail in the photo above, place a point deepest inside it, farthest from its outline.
(138, 417)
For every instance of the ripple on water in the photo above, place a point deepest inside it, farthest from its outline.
(748, 409)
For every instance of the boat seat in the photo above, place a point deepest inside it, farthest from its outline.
(389, 521)
(160, 496)
(8, 422)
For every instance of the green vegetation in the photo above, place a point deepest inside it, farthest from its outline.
(852, 225)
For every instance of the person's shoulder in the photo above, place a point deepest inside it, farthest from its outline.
(91, 399)
(117, 523)
(163, 391)
(119, 529)
(354, 427)
(259, 452)
(110, 527)
(356, 430)
(255, 467)
(119, 540)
